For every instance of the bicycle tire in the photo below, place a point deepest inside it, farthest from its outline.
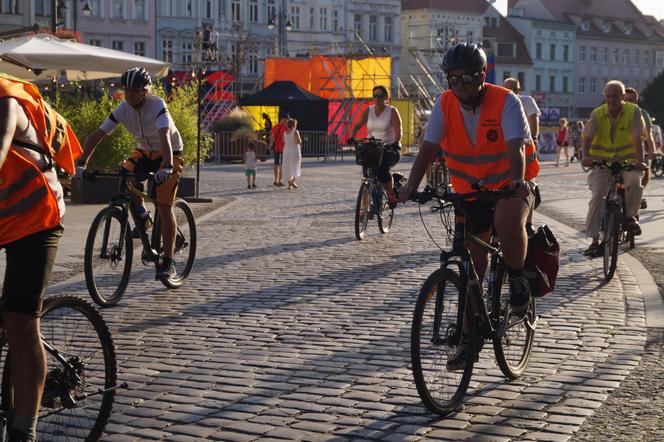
(385, 222)
(514, 349)
(611, 230)
(87, 419)
(362, 210)
(94, 277)
(185, 243)
(658, 165)
(434, 398)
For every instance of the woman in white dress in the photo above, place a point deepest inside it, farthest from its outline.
(292, 156)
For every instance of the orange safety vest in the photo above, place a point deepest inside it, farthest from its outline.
(27, 203)
(488, 161)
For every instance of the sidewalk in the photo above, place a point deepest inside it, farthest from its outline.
(290, 328)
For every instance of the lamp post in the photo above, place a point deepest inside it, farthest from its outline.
(283, 26)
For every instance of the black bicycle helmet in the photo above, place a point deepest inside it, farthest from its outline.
(465, 56)
(135, 78)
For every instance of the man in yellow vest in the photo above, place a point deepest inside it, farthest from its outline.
(32, 136)
(613, 133)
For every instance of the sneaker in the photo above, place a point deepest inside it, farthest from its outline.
(253, 186)
(633, 226)
(519, 294)
(644, 204)
(458, 360)
(166, 269)
(248, 186)
(593, 250)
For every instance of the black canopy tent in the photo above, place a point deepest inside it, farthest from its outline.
(308, 109)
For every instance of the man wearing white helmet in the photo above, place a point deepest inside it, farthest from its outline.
(159, 149)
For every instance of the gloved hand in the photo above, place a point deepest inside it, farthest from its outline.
(79, 171)
(163, 174)
(351, 141)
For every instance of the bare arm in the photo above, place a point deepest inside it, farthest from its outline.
(298, 138)
(517, 157)
(8, 122)
(396, 125)
(533, 123)
(90, 144)
(423, 159)
(166, 148)
(364, 116)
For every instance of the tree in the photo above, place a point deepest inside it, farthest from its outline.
(653, 98)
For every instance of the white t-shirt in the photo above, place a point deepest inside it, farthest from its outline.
(529, 105)
(514, 123)
(144, 123)
(214, 37)
(250, 159)
(380, 127)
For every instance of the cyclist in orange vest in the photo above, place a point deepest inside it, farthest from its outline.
(32, 137)
(488, 143)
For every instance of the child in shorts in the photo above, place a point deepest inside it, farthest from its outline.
(250, 165)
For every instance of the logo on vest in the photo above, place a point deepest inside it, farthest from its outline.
(492, 135)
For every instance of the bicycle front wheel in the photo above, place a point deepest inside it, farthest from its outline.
(385, 215)
(513, 344)
(611, 233)
(435, 338)
(78, 393)
(108, 256)
(185, 243)
(362, 211)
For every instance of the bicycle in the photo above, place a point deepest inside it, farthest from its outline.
(81, 378)
(109, 245)
(450, 311)
(657, 165)
(372, 198)
(614, 229)
(438, 173)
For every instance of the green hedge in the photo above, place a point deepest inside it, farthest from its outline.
(85, 115)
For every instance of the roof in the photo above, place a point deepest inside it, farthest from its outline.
(281, 91)
(506, 33)
(469, 6)
(608, 9)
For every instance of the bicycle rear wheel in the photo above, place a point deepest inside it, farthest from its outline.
(611, 238)
(515, 345)
(362, 210)
(185, 243)
(658, 165)
(385, 214)
(76, 404)
(108, 256)
(435, 337)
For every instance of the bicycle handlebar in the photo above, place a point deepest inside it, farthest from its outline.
(91, 175)
(615, 166)
(431, 193)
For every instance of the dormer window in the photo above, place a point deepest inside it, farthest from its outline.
(606, 26)
(585, 24)
(628, 28)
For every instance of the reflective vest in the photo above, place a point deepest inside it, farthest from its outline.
(622, 147)
(487, 162)
(27, 202)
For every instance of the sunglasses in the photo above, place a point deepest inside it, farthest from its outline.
(379, 96)
(454, 80)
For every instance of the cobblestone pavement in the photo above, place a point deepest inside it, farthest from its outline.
(289, 328)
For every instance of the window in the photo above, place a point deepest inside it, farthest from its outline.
(593, 85)
(628, 28)
(616, 56)
(189, 12)
(582, 53)
(637, 56)
(9, 7)
(373, 28)
(271, 11)
(94, 42)
(253, 11)
(139, 48)
(357, 25)
(187, 52)
(43, 8)
(167, 50)
(117, 9)
(552, 52)
(335, 20)
(139, 10)
(506, 75)
(208, 8)
(95, 9)
(659, 58)
(505, 49)
(323, 19)
(235, 10)
(593, 54)
(521, 76)
(566, 53)
(645, 58)
(552, 83)
(585, 24)
(605, 55)
(118, 45)
(167, 8)
(469, 36)
(311, 18)
(295, 17)
(538, 82)
(625, 56)
(388, 29)
(582, 85)
(565, 85)
(538, 51)
(253, 62)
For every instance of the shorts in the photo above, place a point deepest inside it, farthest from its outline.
(277, 158)
(29, 263)
(249, 172)
(142, 161)
(479, 214)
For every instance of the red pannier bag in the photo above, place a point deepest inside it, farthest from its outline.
(542, 261)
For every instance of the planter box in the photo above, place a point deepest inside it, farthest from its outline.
(186, 187)
(94, 191)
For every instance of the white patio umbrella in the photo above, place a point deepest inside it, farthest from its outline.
(44, 57)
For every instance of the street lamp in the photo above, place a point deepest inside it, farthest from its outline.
(284, 26)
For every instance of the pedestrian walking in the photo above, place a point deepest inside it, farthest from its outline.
(277, 146)
(562, 141)
(250, 165)
(292, 154)
(214, 41)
